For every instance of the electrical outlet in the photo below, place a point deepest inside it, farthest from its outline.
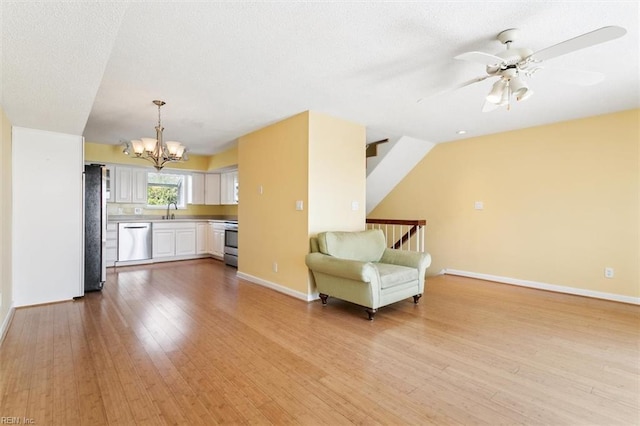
(608, 272)
(274, 266)
(478, 205)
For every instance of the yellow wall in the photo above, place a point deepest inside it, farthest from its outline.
(104, 153)
(310, 157)
(112, 154)
(560, 204)
(337, 174)
(6, 220)
(275, 158)
(224, 159)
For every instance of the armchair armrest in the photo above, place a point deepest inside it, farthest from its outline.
(412, 259)
(349, 269)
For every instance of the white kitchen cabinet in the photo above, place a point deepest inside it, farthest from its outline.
(185, 242)
(205, 188)
(110, 179)
(111, 253)
(123, 184)
(164, 243)
(130, 185)
(212, 189)
(139, 186)
(202, 238)
(197, 188)
(216, 243)
(229, 187)
(173, 239)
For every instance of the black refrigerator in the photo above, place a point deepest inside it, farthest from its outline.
(95, 227)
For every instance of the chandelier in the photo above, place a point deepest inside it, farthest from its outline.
(157, 151)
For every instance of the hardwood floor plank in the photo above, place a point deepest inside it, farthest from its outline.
(190, 343)
(90, 402)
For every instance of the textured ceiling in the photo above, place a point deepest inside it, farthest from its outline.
(226, 69)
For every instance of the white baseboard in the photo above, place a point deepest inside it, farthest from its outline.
(278, 287)
(545, 286)
(6, 323)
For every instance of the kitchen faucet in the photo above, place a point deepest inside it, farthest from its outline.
(173, 216)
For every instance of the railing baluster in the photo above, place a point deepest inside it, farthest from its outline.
(415, 230)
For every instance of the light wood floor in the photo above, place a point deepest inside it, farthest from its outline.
(189, 343)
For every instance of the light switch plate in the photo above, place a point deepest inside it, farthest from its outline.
(478, 205)
(299, 205)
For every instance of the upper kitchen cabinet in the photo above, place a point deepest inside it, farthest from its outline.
(212, 189)
(229, 187)
(205, 188)
(197, 188)
(130, 185)
(109, 181)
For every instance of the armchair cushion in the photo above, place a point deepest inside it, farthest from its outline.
(364, 246)
(393, 275)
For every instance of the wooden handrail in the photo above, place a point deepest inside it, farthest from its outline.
(420, 222)
(372, 147)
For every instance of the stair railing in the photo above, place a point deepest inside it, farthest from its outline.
(401, 234)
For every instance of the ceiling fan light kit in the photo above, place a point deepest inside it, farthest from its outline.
(497, 91)
(513, 65)
(156, 151)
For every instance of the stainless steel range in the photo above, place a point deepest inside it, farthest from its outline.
(231, 244)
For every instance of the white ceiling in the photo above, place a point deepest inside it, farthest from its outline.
(226, 69)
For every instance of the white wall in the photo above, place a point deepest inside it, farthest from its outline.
(47, 216)
(6, 225)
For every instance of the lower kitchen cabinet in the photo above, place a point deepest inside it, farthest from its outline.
(111, 248)
(164, 243)
(202, 238)
(216, 240)
(185, 242)
(173, 239)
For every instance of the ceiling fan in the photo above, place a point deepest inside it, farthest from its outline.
(514, 65)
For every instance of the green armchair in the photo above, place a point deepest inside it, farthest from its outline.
(359, 268)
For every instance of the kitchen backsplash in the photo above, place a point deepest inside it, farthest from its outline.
(114, 209)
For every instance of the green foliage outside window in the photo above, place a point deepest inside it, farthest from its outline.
(163, 189)
(161, 195)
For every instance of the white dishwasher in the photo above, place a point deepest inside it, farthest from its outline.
(134, 241)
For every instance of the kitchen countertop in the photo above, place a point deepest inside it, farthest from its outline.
(179, 218)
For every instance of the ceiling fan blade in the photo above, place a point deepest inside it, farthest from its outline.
(459, 86)
(480, 57)
(572, 76)
(580, 42)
